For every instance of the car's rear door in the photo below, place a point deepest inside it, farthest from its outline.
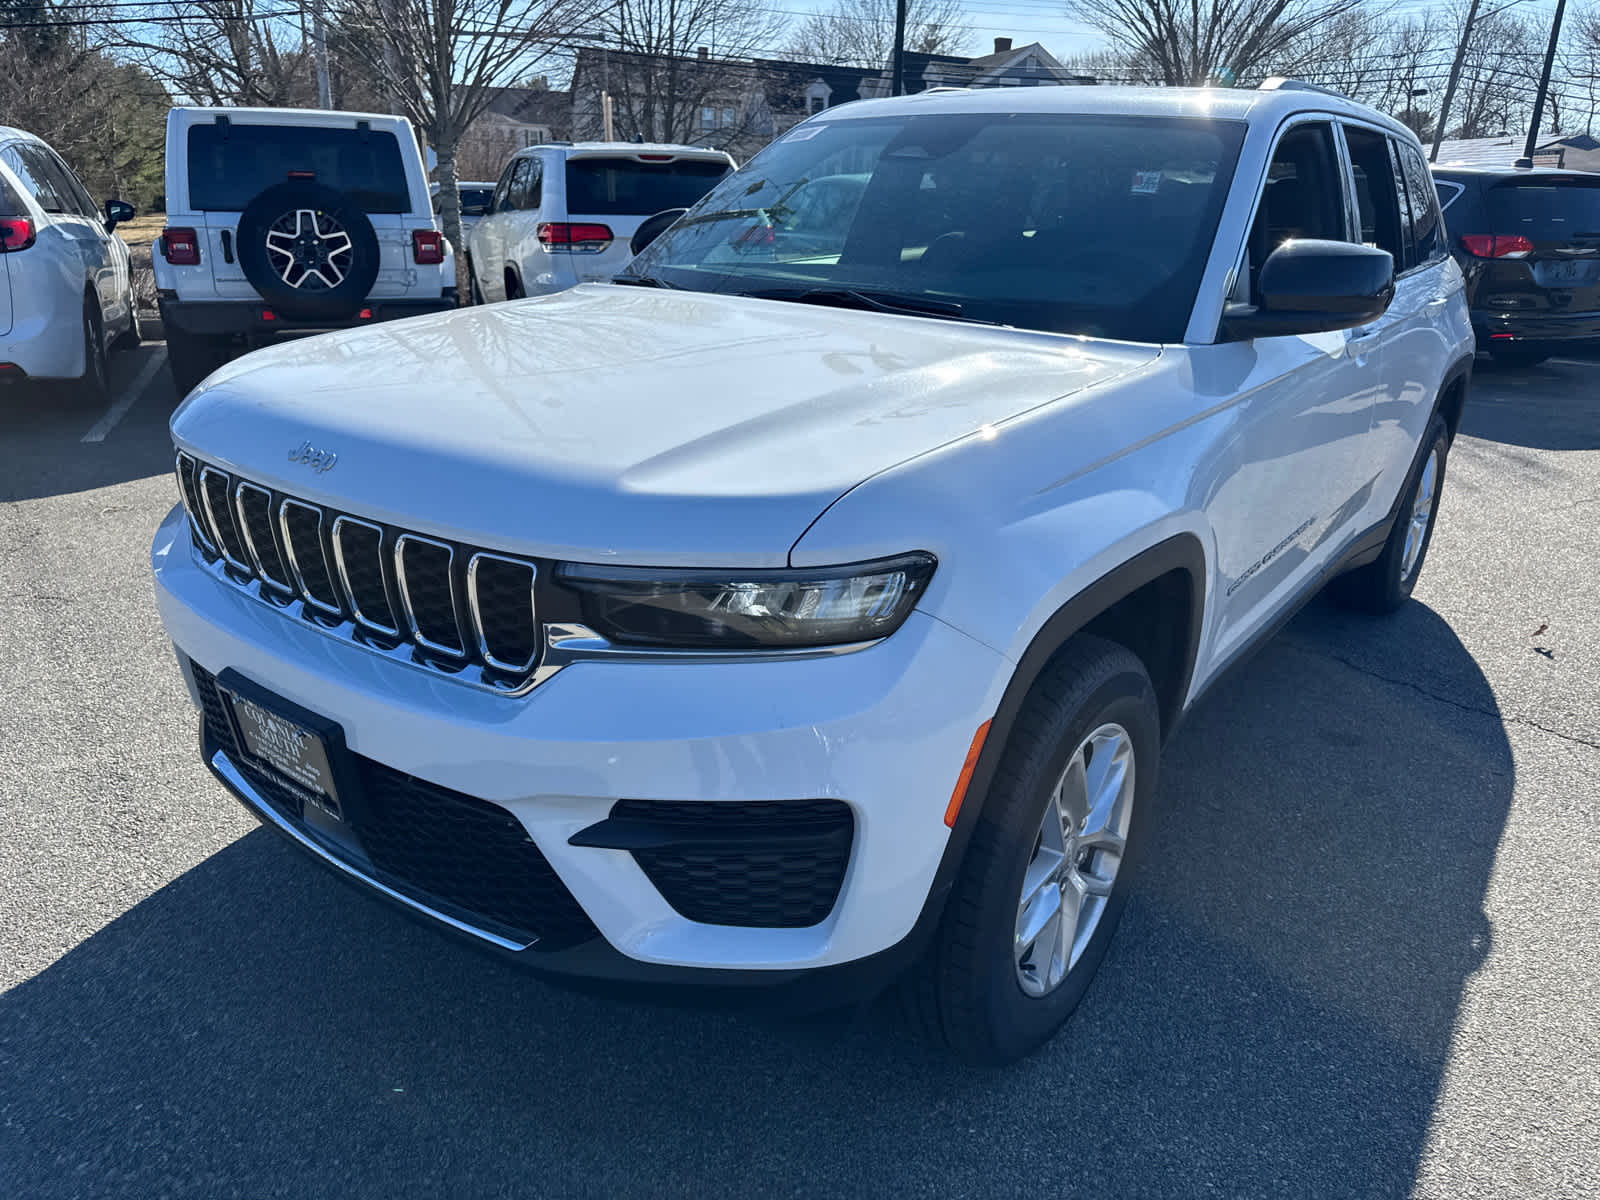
(1545, 253)
(616, 192)
(230, 162)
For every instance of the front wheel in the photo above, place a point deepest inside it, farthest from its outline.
(1386, 583)
(94, 385)
(1051, 860)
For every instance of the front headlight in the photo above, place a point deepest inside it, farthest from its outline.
(742, 610)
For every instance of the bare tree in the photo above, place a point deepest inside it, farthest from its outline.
(674, 61)
(244, 52)
(1498, 74)
(1580, 66)
(1195, 42)
(441, 61)
(860, 33)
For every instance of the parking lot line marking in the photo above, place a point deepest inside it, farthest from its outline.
(124, 402)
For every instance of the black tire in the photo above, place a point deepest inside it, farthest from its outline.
(966, 992)
(306, 294)
(1512, 360)
(514, 286)
(191, 359)
(94, 385)
(1386, 583)
(130, 338)
(474, 292)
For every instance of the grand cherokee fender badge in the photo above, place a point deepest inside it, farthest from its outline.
(320, 461)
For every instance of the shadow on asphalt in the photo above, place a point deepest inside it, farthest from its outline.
(1552, 406)
(1274, 1017)
(41, 451)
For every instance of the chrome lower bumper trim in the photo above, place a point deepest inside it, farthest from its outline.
(223, 766)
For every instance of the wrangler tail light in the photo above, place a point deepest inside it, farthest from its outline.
(16, 233)
(1497, 245)
(574, 238)
(427, 247)
(180, 247)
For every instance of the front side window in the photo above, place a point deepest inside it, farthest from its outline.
(1302, 197)
(1072, 223)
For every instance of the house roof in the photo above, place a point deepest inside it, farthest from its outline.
(1502, 150)
(530, 106)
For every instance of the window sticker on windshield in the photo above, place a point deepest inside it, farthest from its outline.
(804, 133)
(1146, 183)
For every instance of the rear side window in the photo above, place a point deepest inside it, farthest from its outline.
(1550, 208)
(625, 187)
(1427, 227)
(527, 182)
(37, 177)
(10, 202)
(229, 165)
(1377, 197)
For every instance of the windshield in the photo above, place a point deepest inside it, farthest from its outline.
(1547, 208)
(1072, 223)
(230, 164)
(606, 187)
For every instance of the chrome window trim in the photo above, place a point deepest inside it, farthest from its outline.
(1455, 195)
(216, 526)
(223, 766)
(285, 588)
(427, 643)
(475, 613)
(294, 560)
(207, 536)
(339, 523)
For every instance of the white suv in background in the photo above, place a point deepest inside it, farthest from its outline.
(66, 290)
(289, 221)
(809, 606)
(563, 214)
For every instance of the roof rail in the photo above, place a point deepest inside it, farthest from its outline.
(1280, 83)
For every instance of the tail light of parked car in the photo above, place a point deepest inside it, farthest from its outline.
(427, 247)
(580, 238)
(180, 247)
(16, 233)
(1497, 245)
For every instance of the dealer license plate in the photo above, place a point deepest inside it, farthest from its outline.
(291, 750)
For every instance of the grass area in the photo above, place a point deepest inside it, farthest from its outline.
(139, 233)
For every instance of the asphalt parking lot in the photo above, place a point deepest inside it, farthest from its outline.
(1364, 959)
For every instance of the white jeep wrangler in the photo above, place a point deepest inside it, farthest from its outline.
(809, 605)
(288, 221)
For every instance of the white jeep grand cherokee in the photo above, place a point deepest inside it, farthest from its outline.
(814, 607)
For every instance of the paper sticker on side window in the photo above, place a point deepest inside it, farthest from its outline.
(1146, 183)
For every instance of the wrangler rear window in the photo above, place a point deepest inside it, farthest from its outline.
(230, 164)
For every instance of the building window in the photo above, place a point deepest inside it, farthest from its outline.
(708, 119)
(814, 105)
(729, 118)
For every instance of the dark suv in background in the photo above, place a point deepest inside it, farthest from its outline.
(1528, 242)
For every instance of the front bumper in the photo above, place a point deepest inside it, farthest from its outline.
(884, 729)
(1534, 329)
(229, 318)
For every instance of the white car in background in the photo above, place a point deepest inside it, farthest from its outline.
(563, 214)
(476, 196)
(66, 290)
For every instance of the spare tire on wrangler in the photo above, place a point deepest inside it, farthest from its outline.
(309, 250)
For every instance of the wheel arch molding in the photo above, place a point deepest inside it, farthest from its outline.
(1123, 606)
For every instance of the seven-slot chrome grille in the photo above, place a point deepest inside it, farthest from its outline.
(457, 609)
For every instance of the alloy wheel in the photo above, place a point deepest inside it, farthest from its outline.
(1421, 514)
(309, 249)
(1077, 852)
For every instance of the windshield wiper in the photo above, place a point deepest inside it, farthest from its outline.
(888, 302)
(651, 281)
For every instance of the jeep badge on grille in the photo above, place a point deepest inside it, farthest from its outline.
(320, 461)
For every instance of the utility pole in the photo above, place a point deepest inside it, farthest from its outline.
(319, 41)
(1455, 78)
(1544, 87)
(898, 86)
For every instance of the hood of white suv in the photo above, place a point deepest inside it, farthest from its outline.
(623, 424)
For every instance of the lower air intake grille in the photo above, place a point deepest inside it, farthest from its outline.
(444, 849)
(770, 864)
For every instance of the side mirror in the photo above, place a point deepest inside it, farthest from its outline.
(1313, 286)
(653, 227)
(117, 211)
